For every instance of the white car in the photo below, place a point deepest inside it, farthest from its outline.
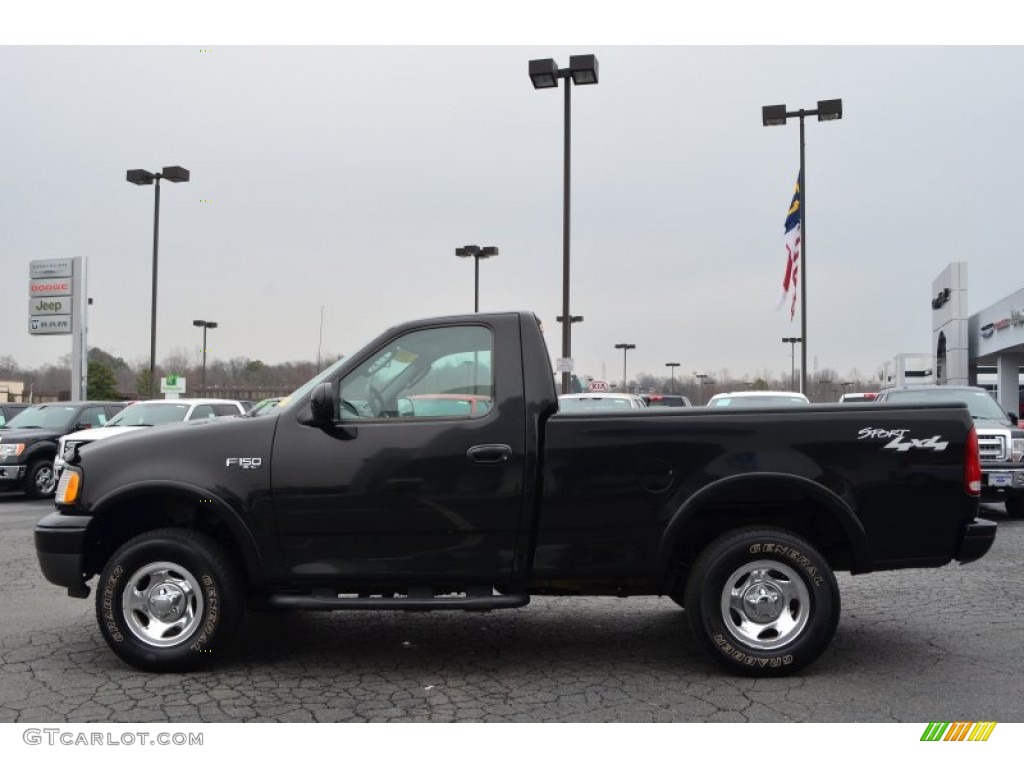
(588, 402)
(756, 399)
(148, 413)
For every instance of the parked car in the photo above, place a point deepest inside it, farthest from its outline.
(599, 401)
(667, 401)
(147, 413)
(9, 410)
(28, 443)
(265, 406)
(1000, 440)
(444, 405)
(756, 399)
(857, 397)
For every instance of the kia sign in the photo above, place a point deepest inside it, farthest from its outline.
(598, 386)
(60, 305)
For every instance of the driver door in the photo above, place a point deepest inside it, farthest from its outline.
(421, 475)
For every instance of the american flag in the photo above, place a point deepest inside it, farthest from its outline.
(792, 241)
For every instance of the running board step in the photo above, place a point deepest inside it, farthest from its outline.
(417, 599)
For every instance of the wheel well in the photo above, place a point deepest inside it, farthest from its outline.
(127, 518)
(761, 504)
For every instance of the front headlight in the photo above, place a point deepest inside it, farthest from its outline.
(1017, 449)
(69, 486)
(10, 450)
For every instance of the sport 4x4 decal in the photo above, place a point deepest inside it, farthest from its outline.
(899, 442)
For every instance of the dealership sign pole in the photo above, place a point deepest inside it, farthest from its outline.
(57, 306)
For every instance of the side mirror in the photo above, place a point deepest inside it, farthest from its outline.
(1013, 417)
(321, 404)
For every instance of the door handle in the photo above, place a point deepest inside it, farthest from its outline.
(494, 453)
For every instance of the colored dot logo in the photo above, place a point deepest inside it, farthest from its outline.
(206, 50)
(205, 200)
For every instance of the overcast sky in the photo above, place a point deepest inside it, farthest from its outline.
(345, 176)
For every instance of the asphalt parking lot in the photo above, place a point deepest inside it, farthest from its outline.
(912, 646)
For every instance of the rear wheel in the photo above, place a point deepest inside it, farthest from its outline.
(168, 600)
(762, 602)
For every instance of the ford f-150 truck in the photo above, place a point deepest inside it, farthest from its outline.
(350, 496)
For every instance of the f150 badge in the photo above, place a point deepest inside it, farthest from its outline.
(254, 462)
(900, 443)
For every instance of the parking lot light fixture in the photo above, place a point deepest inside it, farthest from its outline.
(476, 253)
(625, 348)
(672, 369)
(204, 324)
(776, 114)
(141, 177)
(792, 341)
(545, 73)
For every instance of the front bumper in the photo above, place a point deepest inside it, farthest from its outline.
(976, 539)
(12, 473)
(59, 543)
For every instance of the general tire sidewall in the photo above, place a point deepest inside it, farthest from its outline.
(704, 604)
(193, 650)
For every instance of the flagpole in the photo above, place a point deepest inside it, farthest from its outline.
(803, 262)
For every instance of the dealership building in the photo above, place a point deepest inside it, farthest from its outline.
(991, 340)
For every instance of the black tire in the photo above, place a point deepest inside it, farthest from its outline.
(169, 600)
(1015, 507)
(40, 480)
(762, 602)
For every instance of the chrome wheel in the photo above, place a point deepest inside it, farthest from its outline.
(162, 604)
(45, 480)
(765, 604)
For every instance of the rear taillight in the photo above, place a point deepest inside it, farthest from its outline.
(972, 464)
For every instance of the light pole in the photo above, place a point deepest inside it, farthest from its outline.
(544, 73)
(477, 253)
(793, 341)
(700, 378)
(204, 324)
(830, 109)
(672, 369)
(142, 178)
(625, 348)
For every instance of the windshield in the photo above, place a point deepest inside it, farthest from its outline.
(979, 402)
(149, 415)
(756, 401)
(580, 404)
(44, 417)
(306, 388)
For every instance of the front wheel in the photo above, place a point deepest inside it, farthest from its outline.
(762, 601)
(1015, 507)
(40, 480)
(169, 600)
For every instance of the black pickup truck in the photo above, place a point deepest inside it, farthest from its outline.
(432, 470)
(28, 443)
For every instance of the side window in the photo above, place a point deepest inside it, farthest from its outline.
(95, 416)
(204, 411)
(432, 373)
(225, 409)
